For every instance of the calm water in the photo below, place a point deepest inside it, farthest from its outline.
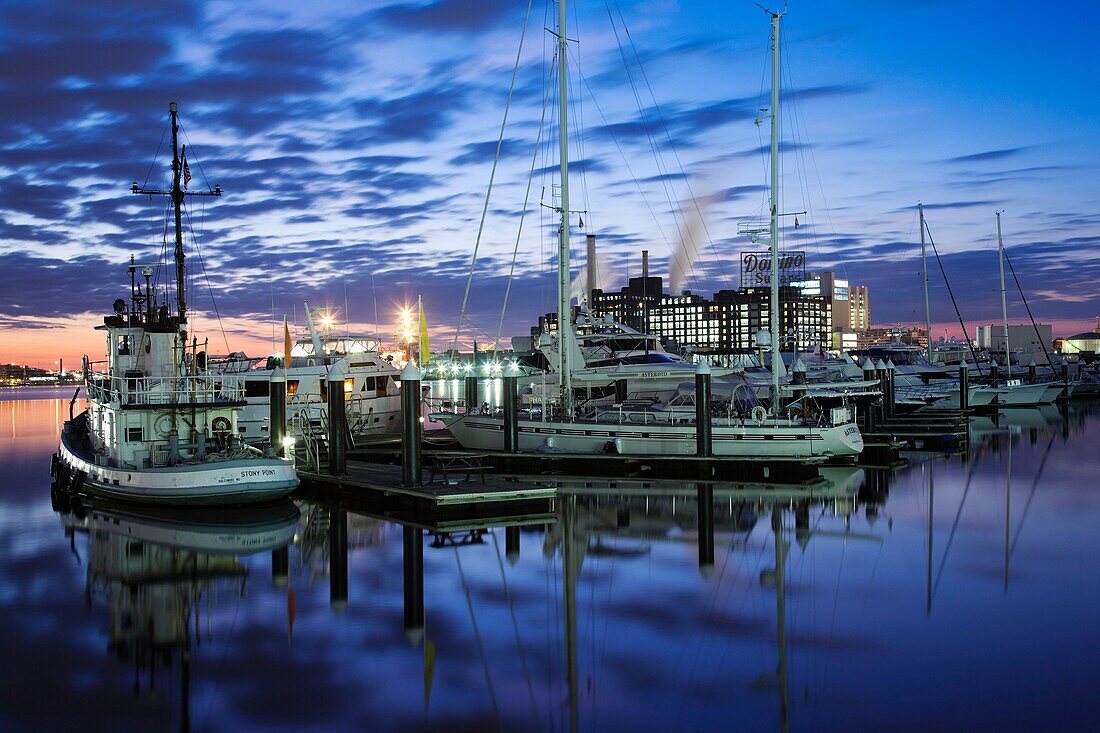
(874, 618)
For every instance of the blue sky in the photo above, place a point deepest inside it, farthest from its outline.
(355, 142)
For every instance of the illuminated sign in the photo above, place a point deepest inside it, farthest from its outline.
(756, 269)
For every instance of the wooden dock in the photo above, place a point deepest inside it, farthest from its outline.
(384, 481)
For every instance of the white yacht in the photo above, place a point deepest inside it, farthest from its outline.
(160, 426)
(372, 401)
(764, 434)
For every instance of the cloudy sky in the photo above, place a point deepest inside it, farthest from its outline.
(355, 142)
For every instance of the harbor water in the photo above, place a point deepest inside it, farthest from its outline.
(952, 592)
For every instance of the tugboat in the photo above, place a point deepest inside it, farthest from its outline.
(160, 427)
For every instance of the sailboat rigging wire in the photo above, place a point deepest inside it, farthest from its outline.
(1030, 496)
(954, 526)
(209, 288)
(148, 173)
(686, 271)
(492, 177)
(1024, 298)
(668, 136)
(522, 218)
(197, 161)
(477, 638)
(966, 334)
(626, 162)
(515, 628)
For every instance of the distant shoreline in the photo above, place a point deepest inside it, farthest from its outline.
(39, 392)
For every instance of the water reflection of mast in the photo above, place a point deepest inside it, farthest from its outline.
(781, 613)
(1008, 504)
(569, 576)
(931, 518)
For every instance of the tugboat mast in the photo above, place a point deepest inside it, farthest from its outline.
(177, 195)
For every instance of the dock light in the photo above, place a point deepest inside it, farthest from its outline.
(326, 321)
(288, 441)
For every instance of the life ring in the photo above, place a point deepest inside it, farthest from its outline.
(163, 425)
(759, 415)
(221, 425)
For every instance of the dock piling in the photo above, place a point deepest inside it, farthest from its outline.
(470, 384)
(414, 581)
(337, 449)
(964, 386)
(703, 437)
(705, 494)
(891, 385)
(338, 560)
(410, 424)
(620, 391)
(869, 413)
(280, 566)
(511, 544)
(511, 414)
(277, 412)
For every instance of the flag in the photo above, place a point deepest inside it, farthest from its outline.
(287, 344)
(186, 173)
(796, 222)
(424, 346)
(580, 224)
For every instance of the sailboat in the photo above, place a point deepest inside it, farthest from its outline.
(160, 426)
(763, 435)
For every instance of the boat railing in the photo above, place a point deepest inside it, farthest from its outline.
(197, 388)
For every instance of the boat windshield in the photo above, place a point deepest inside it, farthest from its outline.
(650, 358)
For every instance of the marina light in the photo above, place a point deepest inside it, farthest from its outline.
(327, 321)
(288, 441)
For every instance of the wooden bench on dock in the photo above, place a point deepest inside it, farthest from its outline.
(456, 462)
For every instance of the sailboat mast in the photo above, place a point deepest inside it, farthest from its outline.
(177, 205)
(775, 316)
(565, 333)
(924, 277)
(1004, 302)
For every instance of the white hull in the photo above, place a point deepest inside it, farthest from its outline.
(775, 441)
(234, 481)
(1027, 394)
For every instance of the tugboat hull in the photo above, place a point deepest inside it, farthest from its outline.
(232, 481)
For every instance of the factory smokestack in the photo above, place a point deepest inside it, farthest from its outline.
(591, 263)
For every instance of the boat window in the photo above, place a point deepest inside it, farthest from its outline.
(123, 345)
(256, 388)
(134, 435)
(349, 385)
(292, 386)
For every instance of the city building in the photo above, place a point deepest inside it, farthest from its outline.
(1087, 343)
(859, 308)
(726, 323)
(850, 305)
(1026, 341)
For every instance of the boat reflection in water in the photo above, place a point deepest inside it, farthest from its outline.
(159, 573)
